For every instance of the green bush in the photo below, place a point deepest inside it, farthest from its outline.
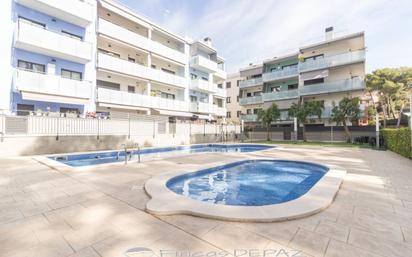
(398, 141)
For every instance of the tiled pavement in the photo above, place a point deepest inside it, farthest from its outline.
(100, 212)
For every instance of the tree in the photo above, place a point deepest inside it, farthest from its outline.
(347, 110)
(390, 85)
(303, 111)
(268, 116)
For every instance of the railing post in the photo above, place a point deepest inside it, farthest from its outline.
(98, 129)
(331, 134)
(154, 128)
(190, 132)
(58, 127)
(128, 119)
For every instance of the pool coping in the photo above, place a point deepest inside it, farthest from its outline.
(166, 202)
(44, 159)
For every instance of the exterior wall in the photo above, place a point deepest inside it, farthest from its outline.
(233, 92)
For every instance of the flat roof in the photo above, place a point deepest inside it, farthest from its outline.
(282, 57)
(326, 42)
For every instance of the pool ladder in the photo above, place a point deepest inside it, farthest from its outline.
(127, 154)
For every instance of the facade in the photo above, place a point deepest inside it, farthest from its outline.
(234, 110)
(87, 57)
(326, 71)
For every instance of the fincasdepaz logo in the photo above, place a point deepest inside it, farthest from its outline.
(139, 252)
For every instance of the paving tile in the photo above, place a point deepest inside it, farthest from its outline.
(333, 230)
(340, 249)
(281, 232)
(194, 225)
(85, 252)
(309, 242)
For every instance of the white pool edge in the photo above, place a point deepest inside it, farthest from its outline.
(165, 202)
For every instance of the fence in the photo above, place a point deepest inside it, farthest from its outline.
(22, 135)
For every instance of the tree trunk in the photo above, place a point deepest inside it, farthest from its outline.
(347, 133)
(384, 116)
(398, 124)
(267, 132)
(304, 132)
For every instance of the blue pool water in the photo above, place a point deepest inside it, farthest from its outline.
(78, 160)
(249, 183)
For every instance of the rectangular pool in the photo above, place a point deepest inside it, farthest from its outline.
(87, 159)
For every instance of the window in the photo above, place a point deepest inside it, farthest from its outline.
(237, 98)
(193, 99)
(293, 86)
(237, 83)
(32, 22)
(249, 111)
(315, 57)
(219, 85)
(193, 76)
(205, 79)
(108, 52)
(248, 94)
(275, 89)
(238, 113)
(228, 84)
(31, 66)
(313, 81)
(24, 109)
(108, 85)
(68, 74)
(131, 89)
(167, 95)
(228, 99)
(168, 71)
(228, 115)
(257, 93)
(71, 35)
(289, 66)
(130, 59)
(69, 110)
(255, 111)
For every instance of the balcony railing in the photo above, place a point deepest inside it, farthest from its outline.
(132, 99)
(251, 100)
(40, 40)
(203, 85)
(221, 73)
(249, 117)
(202, 63)
(333, 86)
(120, 33)
(219, 111)
(334, 60)
(116, 64)
(221, 92)
(40, 83)
(250, 82)
(280, 74)
(201, 107)
(281, 95)
(78, 12)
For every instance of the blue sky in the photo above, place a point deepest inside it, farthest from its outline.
(247, 31)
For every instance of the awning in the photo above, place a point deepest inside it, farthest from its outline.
(121, 106)
(314, 74)
(53, 98)
(202, 117)
(172, 113)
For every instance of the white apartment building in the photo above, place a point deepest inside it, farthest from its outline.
(325, 71)
(88, 56)
(233, 108)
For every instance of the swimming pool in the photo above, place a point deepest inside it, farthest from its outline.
(87, 159)
(250, 182)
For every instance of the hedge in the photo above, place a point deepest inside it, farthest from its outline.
(398, 141)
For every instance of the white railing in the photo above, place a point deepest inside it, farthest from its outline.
(287, 94)
(280, 74)
(203, 85)
(78, 12)
(333, 60)
(333, 86)
(221, 73)
(133, 69)
(219, 111)
(251, 100)
(37, 39)
(202, 63)
(220, 92)
(131, 99)
(119, 33)
(250, 82)
(201, 107)
(28, 81)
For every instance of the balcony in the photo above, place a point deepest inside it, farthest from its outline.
(220, 92)
(333, 87)
(47, 85)
(251, 83)
(120, 33)
(203, 86)
(332, 61)
(201, 107)
(219, 111)
(118, 65)
(221, 73)
(251, 100)
(78, 12)
(280, 74)
(202, 63)
(281, 95)
(249, 117)
(138, 100)
(36, 39)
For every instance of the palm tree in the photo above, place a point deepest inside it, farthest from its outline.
(268, 116)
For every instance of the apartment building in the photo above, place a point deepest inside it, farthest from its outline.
(325, 71)
(88, 56)
(233, 108)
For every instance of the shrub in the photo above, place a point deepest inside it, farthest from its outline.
(398, 141)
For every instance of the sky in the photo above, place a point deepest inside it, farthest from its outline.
(248, 31)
